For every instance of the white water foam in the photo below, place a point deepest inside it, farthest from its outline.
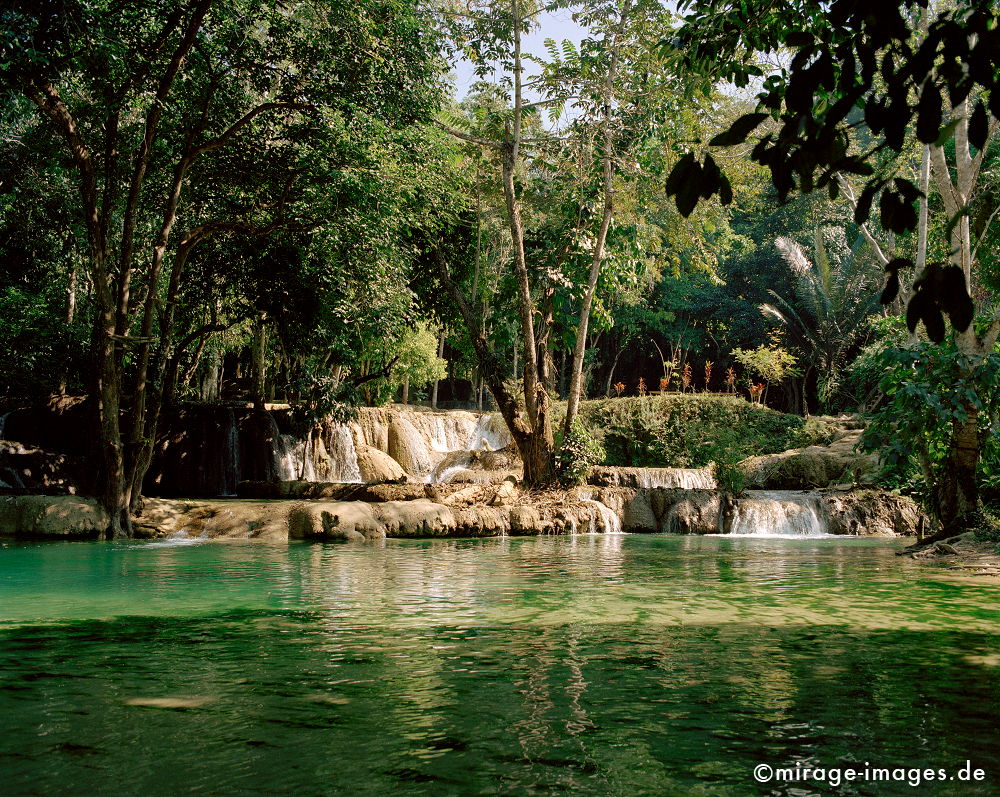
(779, 513)
(612, 523)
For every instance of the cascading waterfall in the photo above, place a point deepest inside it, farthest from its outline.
(489, 434)
(684, 478)
(612, 523)
(343, 456)
(295, 459)
(779, 513)
(231, 462)
(3, 424)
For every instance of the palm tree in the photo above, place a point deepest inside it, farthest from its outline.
(832, 299)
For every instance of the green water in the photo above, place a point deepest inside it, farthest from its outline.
(597, 665)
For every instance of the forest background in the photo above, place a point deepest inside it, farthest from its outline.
(287, 201)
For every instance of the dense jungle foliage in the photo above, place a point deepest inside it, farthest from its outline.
(259, 201)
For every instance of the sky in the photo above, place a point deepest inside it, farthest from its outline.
(556, 25)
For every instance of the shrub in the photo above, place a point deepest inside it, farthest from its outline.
(576, 453)
(688, 431)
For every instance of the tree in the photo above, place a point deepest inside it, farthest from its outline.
(213, 117)
(618, 91)
(891, 70)
(832, 301)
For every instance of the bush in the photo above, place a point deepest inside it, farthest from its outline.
(576, 453)
(688, 431)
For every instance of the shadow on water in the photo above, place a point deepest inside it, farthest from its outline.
(651, 666)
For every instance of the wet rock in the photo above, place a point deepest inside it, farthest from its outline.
(419, 518)
(696, 513)
(872, 513)
(378, 467)
(526, 520)
(813, 467)
(51, 516)
(335, 520)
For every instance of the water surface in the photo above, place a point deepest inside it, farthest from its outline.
(598, 665)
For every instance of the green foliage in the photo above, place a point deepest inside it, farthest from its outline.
(833, 298)
(730, 477)
(576, 453)
(928, 388)
(771, 363)
(689, 431)
(990, 531)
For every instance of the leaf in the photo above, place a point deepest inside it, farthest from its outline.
(979, 126)
(738, 130)
(725, 190)
(680, 174)
(864, 207)
(891, 289)
(929, 113)
(934, 323)
(898, 215)
(915, 309)
(954, 297)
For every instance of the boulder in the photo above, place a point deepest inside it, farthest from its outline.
(408, 448)
(335, 520)
(51, 516)
(873, 513)
(420, 518)
(378, 467)
(526, 520)
(696, 513)
(213, 519)
(813, 467)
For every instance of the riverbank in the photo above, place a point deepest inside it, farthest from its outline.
(966, 553)
(346, 512)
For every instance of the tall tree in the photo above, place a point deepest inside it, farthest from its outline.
(213, 117)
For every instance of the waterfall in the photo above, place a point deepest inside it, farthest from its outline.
(3, 424)
(343, 456)
(684, 478)
(489, 434)
(295, 460)
(612, 523)
(779, 513)
(231, 456)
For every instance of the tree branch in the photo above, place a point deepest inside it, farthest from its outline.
(483, 142)
(244, 120)
(865, 230)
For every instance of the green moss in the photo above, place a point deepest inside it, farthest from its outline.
(689, 431)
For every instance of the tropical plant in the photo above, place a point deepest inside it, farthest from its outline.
(771, 363)
(834, 297)
(929, 390)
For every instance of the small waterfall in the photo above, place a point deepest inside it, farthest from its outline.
(295, 459)
(343, 456)
(3, 424)
(611, 522)
(490, 434)
(779, 513)
(684, 478)
(231, 455)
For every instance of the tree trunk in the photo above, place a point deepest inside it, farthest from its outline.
(580, 349)
(259, 362)
(958, 499)
(437, 382)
